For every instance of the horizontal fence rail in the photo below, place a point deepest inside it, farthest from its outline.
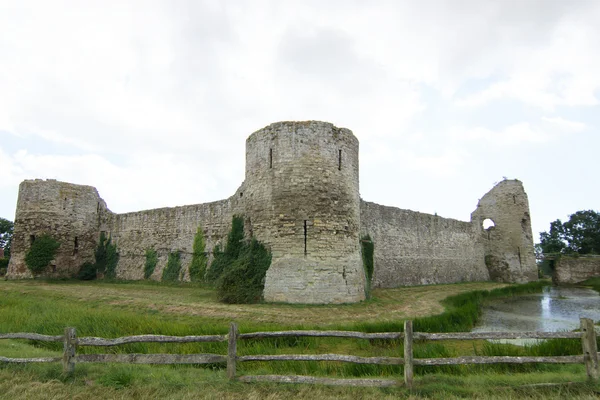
(325, 357)
(32, 336)
(95, 341)
(151, 358)
(339, 334)
(496, 335)
(71, 342)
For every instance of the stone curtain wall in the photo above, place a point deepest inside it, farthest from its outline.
(576, 269)
(413, 248)
(302, 200)
(168, 230)
(70, 213)
(508, 245)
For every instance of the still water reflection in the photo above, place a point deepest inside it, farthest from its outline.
(556, 309)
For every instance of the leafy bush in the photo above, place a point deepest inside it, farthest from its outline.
(239, 271)
(244, 280)
(173, 268)
(87, 271)
(151, 261)
(107, 257)
(41, 252)
(199, 261)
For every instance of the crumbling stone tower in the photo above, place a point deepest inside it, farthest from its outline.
(508, 244)
(302, 199)
(70, 213)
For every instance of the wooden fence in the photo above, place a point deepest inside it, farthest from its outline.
(71, 342)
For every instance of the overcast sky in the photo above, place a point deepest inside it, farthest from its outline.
(151, 101)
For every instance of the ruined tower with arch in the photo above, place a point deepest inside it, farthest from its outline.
(300, 197)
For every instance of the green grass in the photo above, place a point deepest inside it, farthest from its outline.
(594, 283)
(121, 309)
(143, 382)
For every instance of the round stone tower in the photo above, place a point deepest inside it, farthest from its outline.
(302, 199)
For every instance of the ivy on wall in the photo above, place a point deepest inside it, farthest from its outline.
(106, 260)
(107, 257)
(233, 247)
(42, 251)
(368, 249)
(173, 268)
(150, 264)
(199, 259)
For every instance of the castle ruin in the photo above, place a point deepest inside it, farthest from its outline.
(300, 197)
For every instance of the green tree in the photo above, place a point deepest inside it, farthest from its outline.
(41, 252)
(6, 232)
(580, 234)
(553, 241)
(199, 260)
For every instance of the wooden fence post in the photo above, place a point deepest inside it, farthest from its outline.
(232, 350)
(408, 354)
(590, 348)
(69, 347)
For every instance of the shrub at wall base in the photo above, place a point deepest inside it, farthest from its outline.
(239, 271)
(244, 280)
(41, 252)
(106, 260)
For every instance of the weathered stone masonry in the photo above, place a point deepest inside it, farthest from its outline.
(301, 198)
(569, 269)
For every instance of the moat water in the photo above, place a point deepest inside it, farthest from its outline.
(556, 309)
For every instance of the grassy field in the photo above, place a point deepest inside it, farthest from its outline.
(197, 302)
(119, 309)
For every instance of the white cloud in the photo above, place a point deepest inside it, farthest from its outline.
(548, 129)
(560, 72)
(565, 125)
(133, 95)
(511, 135)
